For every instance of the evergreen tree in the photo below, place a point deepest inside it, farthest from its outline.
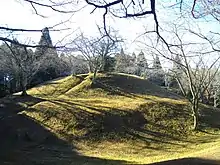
(45, 43)
(21, 65)
(120, 63)
(45, 38)
(156, 63)
(156, 74)
(176, 71)
(141, 60)
(122, 53)
(141, 63)
(177, 63)
(52, 65)
(133, 56)
(110, 64)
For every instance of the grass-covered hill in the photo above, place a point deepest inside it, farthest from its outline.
(118, 119)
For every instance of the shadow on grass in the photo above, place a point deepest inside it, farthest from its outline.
(25, 141)
(104, 123)
(131, 86)
(210, 118)
(188, 161)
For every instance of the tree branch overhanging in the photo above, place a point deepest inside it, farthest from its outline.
(28, 30)
(28, 45)
(48, 6)
(140, 10)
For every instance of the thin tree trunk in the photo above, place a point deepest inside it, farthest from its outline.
(195, 121)
(24, 91)
(94, 75)
(103, 67)
(24, 85)
(216, 100)
(195, 114)
(90, 67)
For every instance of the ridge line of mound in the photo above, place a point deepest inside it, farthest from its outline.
(86, 83)
(56, 88)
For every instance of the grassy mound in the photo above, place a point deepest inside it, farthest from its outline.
(115, 106)
(132, 85)
(56, 88)
(116, 117)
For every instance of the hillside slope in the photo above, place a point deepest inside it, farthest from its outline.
(118, 119)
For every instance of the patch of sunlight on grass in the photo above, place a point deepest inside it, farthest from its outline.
(55, 88)
(105, 103)
(76, 104)
(142, 153)
(129, 75)
(85, 84)
(164, 99)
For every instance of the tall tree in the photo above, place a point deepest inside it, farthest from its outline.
(156, 63)
(21, 63)
(121, 61)
(53, 64)
(197, 73)
(177, 62)
(141, 64)
(45, 42)
(106, 48)
(156, 73)
(175, 71)
(134, 57)
(96, 51)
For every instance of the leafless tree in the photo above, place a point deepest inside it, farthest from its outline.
(196, 73)
(76, 63)
(85, 46)
(95, 50)
(206, 7)
(21, 63)
(106, 47)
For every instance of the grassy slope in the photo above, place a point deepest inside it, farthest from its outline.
(119, 117)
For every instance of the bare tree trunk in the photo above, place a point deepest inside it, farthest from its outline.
(203, 98)
(24, 91)
(17, 84)
(23, 85)
(103, 65)
(195, 114)
(216, 99)
(94, 75)
(90, 67)
(195, 121)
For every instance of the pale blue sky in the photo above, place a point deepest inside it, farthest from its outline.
(21, 15)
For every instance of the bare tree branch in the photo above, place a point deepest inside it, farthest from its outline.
(29, 30)
(27, 45)
(48, 6)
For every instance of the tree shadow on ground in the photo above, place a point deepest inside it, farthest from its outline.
(131, 86)
(209, 118)
(25, 141)
(116, 124)
(188, 161)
